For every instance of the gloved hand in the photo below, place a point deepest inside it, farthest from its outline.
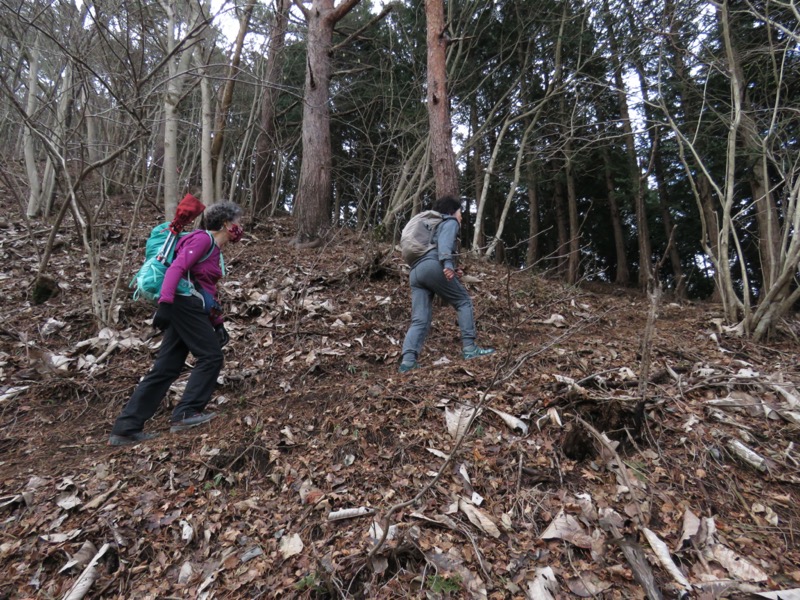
(210, 305)
(163, 316)
(222, 335)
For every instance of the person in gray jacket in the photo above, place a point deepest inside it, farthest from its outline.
(437, 273)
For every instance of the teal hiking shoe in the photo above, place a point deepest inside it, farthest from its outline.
(406, 367)
(476, 351)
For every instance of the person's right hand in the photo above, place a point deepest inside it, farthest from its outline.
(449, 274)
(163, 316)
(222, 335)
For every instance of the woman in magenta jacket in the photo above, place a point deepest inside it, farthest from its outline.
(191, 323)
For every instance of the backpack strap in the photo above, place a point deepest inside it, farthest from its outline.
(210, 248)
(206, 257)
(194, 291)
(436, 227)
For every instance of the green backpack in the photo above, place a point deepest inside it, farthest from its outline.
(159, 253)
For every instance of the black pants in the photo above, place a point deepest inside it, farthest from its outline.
(189, 331)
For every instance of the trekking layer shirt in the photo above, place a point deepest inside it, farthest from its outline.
(188, 259)
(447, 242)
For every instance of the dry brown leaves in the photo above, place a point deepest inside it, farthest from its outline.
(288, 491)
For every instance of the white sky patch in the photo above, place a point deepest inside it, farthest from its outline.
(224, 17)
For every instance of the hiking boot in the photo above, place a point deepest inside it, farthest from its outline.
(476, 351)
(130, 440)
(406, 367)
(191, 421)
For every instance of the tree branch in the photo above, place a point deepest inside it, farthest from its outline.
(387, 9)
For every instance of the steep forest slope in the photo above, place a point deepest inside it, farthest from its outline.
(694, 484)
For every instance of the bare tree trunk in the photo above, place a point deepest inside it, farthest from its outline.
(312, 205)
(622, 275)
(29, 144)
(561, 226)
(529, 115)
(512, 188)
(767, 216)
(730, 300)
(60, 132)
(703, 189)
(477, 169)
(312, 208)
(573, 263)
(642, 229)
(769, 238)
(265, 143)
(206, 127)
(663, 194)
(413, 175)
(533, 254)
(445, 173)
(666, 217)
(227, 98)
(178, 67)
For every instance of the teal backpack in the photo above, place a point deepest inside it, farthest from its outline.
(159, 253)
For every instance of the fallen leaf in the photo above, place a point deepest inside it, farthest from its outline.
(662, 553)
(68, 500)
(587, 585)
(457, 419)
(290, 546)
(58, 538)
(543, 585)
(479, 518)
(187, 531)
(568, 528)
(510, 420)
(186, 572)
(81, 557)
(737, 566)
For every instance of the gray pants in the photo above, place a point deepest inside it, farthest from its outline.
(189, 331)
(427, 279)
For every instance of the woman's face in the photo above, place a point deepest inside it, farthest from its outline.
(234, 230)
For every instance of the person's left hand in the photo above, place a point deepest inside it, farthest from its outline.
(163, 316)
(449, 274)
(459, 273)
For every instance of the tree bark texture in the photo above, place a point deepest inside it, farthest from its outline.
(622, 275)
(562, 226)
(227, 97)
(178, 67)
(266, 145)
(663, 194)
(533, 253)
(313, 203)
(29, 144)
(573, 263)
(443, 160)
(642, 229)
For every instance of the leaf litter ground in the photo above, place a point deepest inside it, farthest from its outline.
(539, 472)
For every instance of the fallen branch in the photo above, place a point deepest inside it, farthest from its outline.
(350, 513)
(621, 465)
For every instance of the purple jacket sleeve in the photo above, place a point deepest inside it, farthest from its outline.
(191, 251)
